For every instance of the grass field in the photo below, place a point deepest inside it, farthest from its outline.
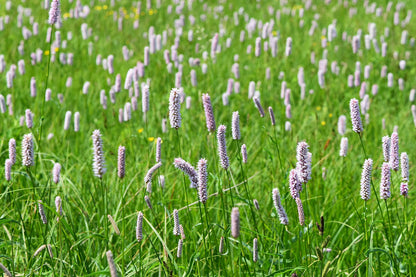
(113, 65)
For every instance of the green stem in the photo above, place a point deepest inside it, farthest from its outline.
(362, 145)
(157, 255)
(244, 257)
(209, 236)
(278, 150)
(230, 187)
(123, 231)
(104, 192)
(392, 238)
(245, 183)
(46, 86)
(60, 246)
(365, 221)
(370, 257)
(405, 213)
(203, 233)
(14, 204)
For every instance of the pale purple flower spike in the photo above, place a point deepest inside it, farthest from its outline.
(54, 12)
(98, 160)
(404, 164)
(365, 191)
(386, 148)
(294, 183)
(357, 125)
(235, 223)
(394, 159)
(188, 169)
(302, 165)
(385, 181)
(222, 147)
(175, 109)
(209, 114)
(279, 208)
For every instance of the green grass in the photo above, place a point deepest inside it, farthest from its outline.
(366, 239)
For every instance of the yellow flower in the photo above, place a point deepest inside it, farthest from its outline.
(105, 7)
(150, 12)
(323, 37)
(56, 49)
(318, 108)
(126, 16)
(46, 52)
(140, 130)
(274, 33)
(136, 16)
(151, 139)
(323, 123)
(330, 115)
(98, 8)
(66, 15)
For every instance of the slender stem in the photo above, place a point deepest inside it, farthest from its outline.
(46, 86)
(157, 255)
(209, 235)
(310, 215)
(33, 201)
(387, 211)
(104, 192)
(221, 192)
(395, 202)
(405, 214)
(369, 261)
(300, 246)
(14, 204)
(61, 247)
(140, 259)
(230, 187)
(282, 239)
(243, 256)
(365, 221)
(123, 229)
(247, 192)
(362, 145)
(392, 238)
(203, 232)
(278, 150)
(232, 258)
(276, 249)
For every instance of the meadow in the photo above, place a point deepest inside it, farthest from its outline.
(207, 138)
